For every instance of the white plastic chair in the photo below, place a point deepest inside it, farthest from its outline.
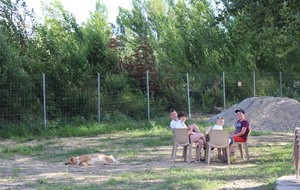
(218, 139)
(181, 138)
(296, 151)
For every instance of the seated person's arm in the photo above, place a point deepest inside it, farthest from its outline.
(243, 131)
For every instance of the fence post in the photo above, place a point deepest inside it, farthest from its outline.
(99, 115)
(44, 101)
(148, 96)
(224, 91)
(188, 94)
(254, 83)
(280, 78)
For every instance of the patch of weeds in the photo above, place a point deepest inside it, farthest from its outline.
(132, 154)
(261, 133)
(173, 178)
(126, 181)
(42, 181)
(102, 146)
(114, 181)
(187, 183)
(22, 139)
(154, 142)
(146, 142)
(152, 132)
(22, 150)
(16, 171)
(130, 143)
(60, 186)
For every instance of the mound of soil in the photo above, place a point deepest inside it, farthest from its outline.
(266, 114)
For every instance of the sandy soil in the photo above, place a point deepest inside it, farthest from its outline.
(24, 172)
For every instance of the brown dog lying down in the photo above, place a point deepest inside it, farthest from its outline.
(92, 159)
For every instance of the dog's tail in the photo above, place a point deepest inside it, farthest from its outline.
(114, 160)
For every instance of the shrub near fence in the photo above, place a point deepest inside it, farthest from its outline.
(111, 98)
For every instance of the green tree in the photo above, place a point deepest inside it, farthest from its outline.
(17, 87)
(17, 23)
(182, 36)
(97, 37)
(267, 32)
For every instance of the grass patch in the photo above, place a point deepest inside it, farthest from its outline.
(78, 129)
(22, 150)
(60, 186)
(172, 178)
(261, 133)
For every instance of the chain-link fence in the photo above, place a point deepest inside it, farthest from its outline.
(42, 98)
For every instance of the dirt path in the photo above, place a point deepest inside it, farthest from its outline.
(24, 172)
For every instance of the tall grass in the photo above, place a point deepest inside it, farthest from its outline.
(78, 128)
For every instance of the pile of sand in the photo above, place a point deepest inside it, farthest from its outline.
(266, 114)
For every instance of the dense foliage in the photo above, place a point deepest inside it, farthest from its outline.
(168, 38)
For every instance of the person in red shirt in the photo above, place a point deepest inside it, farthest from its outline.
(242, 128)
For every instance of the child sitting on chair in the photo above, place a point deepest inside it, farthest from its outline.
(219, 126)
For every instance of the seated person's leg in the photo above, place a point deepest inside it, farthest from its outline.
(195, 137)
(195, 128)
(199, 151)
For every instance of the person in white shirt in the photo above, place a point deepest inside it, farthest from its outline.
(219, 126)
(174, 116)
(195, 134)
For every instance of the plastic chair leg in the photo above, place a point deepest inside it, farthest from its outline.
(184, 154)
(174, 153)
(208, 154)
(228, 155)
(173, 150)
(190, 153)
(297, 168)
(241, 151)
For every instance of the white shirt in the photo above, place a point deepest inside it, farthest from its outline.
(180, 124)
(173, 124)
(217, 127)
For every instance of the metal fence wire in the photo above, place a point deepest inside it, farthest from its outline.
(118, 97)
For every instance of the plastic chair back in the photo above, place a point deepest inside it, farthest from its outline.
(218, 138)
(181, 136)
